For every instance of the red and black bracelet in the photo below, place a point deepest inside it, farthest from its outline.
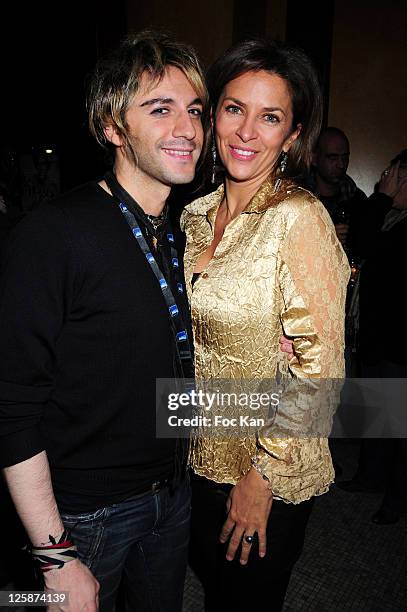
(55, 554)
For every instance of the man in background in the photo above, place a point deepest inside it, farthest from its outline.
(337, 191)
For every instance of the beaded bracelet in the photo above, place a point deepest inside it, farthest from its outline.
(55, 554)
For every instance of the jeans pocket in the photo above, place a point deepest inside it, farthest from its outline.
(87, 533)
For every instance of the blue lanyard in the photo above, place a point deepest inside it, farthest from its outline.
(181, 336)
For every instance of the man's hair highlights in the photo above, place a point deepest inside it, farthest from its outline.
(116, 78)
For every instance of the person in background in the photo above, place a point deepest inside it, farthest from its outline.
(92, 312)
(337, 191)
(262, 259)
(382, 461)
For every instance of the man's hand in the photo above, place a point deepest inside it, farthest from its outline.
(389, 182)
(342, 230)
(286, 346)
(249, 506)
(80, 584)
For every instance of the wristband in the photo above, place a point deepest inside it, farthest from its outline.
(55, 554)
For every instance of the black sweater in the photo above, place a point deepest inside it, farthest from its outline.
(84, 333)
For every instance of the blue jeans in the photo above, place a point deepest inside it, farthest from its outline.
(143, 542)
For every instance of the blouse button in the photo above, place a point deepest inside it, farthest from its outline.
(205, 275)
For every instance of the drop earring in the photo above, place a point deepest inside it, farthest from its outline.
(283, 162)
(282, 168)
(213, 151)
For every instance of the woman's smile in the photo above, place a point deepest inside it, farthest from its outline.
(253, 125)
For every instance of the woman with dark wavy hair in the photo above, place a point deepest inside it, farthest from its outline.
(262, 259)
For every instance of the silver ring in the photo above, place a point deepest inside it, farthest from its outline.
(249, 539)
(386, 172)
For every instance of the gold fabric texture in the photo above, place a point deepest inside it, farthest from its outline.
(279, 268)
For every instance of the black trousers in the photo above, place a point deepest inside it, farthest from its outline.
(382, 461)
(262, 583)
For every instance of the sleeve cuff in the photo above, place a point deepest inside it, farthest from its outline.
(20, 446)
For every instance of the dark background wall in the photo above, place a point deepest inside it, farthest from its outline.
(368, 97)
(359, 49)
(46, 51)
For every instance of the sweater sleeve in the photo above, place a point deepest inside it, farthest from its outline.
(35, 285)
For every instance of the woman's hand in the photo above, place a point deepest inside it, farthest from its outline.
(249, 506)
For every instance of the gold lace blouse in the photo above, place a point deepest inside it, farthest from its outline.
(279, 268)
